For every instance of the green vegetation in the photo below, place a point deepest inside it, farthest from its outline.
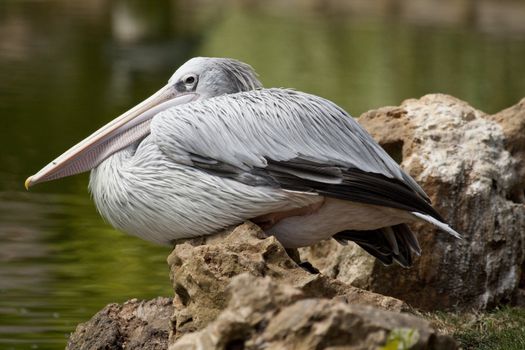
(401, 339)
(502, 328)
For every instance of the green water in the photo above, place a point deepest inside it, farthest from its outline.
(67, 67)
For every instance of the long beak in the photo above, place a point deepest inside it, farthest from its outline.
(112, 137)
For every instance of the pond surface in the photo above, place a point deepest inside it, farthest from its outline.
(68, 67)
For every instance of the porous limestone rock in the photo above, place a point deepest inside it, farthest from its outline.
(512, 121)
(472, 166)
(202, 269)
(140, 325)
(263, 313)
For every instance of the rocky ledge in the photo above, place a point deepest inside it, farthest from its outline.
(243, 290)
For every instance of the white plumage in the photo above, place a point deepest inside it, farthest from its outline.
(146, 194)
(295, 163)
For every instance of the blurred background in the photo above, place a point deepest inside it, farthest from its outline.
(69, 66)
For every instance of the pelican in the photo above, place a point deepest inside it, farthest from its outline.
(213, 148)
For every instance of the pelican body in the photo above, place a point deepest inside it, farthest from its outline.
(213, 148)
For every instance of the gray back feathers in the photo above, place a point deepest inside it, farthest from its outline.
(247, 129)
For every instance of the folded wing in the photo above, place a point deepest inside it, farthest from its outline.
(287, 139)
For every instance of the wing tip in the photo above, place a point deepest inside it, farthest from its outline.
(441, 225)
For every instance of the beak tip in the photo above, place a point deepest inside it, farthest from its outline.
(28, 184)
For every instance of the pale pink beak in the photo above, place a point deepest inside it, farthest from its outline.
(112, 137)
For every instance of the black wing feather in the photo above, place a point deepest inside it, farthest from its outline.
(330, 180)
(353, 185)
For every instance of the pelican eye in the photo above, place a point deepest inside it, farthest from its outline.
(187, 83)
(189, 80)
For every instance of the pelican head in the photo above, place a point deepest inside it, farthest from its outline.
(210, 77)
(198, 78)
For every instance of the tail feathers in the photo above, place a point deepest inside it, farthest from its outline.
(395, 243)
(408, 238)
(443, 226)
(387, 244)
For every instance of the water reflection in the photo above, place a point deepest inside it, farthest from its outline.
(67, 67)
(61, 264)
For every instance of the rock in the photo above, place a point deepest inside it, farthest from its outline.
(349, 264)
(512, 120)
(263, 313)
(472, 166)
(132, 325)
(201, 274)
